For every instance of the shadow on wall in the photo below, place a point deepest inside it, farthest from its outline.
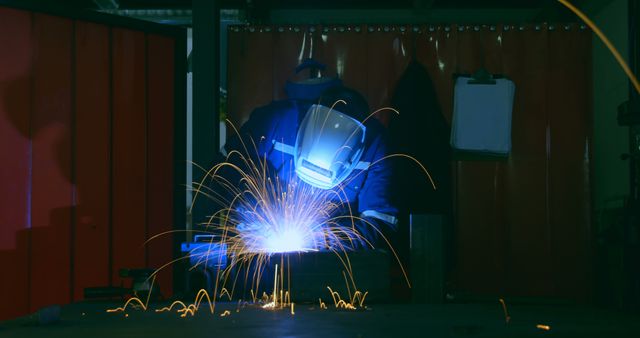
(35, 132)
(14, 176)
(86, 111)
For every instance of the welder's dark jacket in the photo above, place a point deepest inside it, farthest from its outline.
(274, 128)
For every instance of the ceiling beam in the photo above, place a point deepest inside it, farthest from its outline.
(106, 4)
(402, 16)
(554, 11)
(422, 7)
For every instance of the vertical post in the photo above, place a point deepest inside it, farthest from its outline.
(634, 45)
(205, 67)
(180, 130)
(427, 258)
(633, 223)
(634, 130)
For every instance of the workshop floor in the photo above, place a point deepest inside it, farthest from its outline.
(408, 320)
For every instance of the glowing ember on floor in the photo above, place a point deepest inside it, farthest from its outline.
(507, 318)
(277, 300)
(543, 327)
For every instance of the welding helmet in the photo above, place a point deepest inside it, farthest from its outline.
(328, 146)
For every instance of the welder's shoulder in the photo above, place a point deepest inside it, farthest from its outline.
(377, 135)
(375, 128)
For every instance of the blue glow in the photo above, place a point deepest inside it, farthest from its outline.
(280, 238)
(289, 240)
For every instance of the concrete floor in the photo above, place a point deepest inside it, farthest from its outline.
(385, 320)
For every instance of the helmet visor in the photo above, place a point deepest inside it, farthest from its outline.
(328, 147)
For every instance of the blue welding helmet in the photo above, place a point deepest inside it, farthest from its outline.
(328, 146)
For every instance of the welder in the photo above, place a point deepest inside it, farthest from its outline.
(321, 134)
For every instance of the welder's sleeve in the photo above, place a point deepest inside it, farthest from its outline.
(251, 137)
(375, 202)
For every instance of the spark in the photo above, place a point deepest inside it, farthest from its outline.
(275, 287)
(354, 302)
(274, 303)
(223, 292)
(126, 304)
(225, 313)
(543, 327)
(190, 309)
(507, 318)
(270, 305)
(283, 296)
(135, 300)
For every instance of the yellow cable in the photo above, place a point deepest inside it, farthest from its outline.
(606, 41)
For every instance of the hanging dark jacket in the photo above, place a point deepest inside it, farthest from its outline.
(422, 132)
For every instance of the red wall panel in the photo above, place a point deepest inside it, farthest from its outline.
(78, 175)
(436, 50)
(480, 225)
(160, 140)
(254, 73)
(15, 149)
(526, 62)
(52, 191)
(389, 52)
(339, 52)
(129, 163)
(569, 134)
(92, 146)
(290, 46)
